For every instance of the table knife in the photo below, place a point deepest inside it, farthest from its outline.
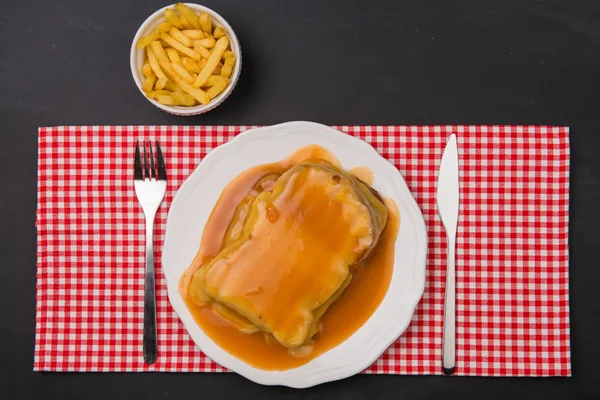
(447, 201)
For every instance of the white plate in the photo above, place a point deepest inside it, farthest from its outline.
(195, 199)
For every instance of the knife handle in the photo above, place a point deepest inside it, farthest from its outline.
(449, 340)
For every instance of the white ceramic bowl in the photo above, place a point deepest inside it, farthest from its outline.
(137, 59)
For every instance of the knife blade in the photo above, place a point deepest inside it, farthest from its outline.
(447, 199)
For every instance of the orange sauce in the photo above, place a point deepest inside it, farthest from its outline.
(344, 317)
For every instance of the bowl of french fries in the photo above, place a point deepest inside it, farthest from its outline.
(185, 59)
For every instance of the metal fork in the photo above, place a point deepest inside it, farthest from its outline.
(150, 183)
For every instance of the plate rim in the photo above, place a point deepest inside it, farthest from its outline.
(271, 378)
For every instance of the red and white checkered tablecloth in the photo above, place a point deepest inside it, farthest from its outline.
(512, 251)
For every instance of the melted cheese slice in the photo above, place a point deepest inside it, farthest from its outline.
(296, 251)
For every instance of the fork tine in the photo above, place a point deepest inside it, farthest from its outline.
(152, 169)
(146, 170)
(162, 170)
(137, 163)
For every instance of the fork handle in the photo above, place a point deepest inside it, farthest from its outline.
(449, 340)
(150, 343)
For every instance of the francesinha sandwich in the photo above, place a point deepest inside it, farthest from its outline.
(291, 250)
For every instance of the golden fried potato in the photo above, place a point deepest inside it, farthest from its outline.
(146, 40)
(214, 79)
(208, 42)
(216, 89)
(190, 65)
(173, 55)
(163, 60)
(154, 94)
(226, 70)
(195, 34)
(183, 99)
(180, 37)
(184, 22)
(153, 61)
(166, 100)
(183, 73)
(217, 70)
(212, 61)
(203, 51)
(189, 14)
(163, 27)
(160, 83)
(229, 61)
(172, 17)
(219, 32)
(205, 23)
(180, 47)
(149, 83)
(147, 70)
(200, 95)
(172, 86)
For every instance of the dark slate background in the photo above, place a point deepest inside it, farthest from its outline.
(334, 62)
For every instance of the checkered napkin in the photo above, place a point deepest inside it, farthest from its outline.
(511, 251)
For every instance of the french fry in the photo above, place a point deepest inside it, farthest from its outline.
(146, 40)
(190, 65)
(147, 70)
(154, 94)
(183, 99)
(197, 93)
(173, 55)
(173, 18)
(166, 100)
(189, 14)
(172, 86)
(153, 61)
(201, 64)
(149, 83)
(163, 60)
(181, 48)
(205, 23)
(183, 73)
(212, 61)
(160, 84)
(184, 22)
(216, 89)
(219, 32)
(214, 79)
(229, 61)
(226, 70)
(208, 42)
(193, 33)
(218, 68)
(228, 53)
(180, 37)
(163, 27)
(203, 51)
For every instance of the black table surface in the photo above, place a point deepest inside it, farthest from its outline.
(335, 62)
